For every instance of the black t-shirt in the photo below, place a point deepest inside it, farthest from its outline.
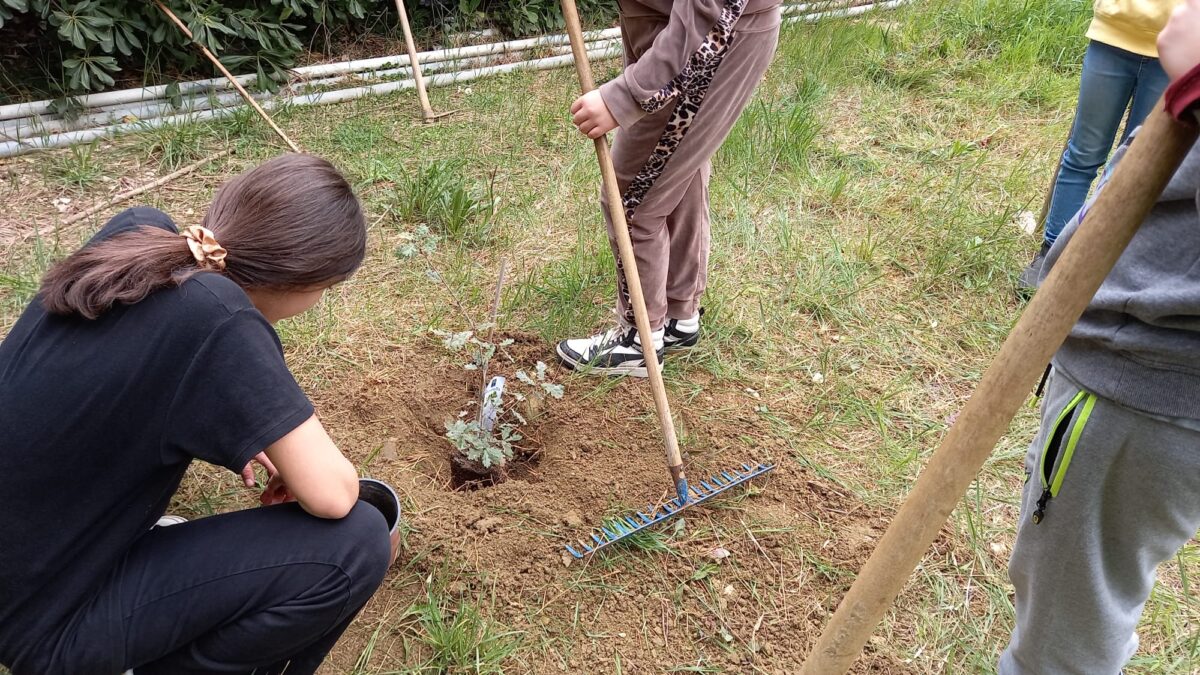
(100, 419)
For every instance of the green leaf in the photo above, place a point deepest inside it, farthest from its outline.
(174, 95)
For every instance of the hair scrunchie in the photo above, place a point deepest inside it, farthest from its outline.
(204, 247)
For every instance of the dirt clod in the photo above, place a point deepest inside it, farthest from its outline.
(485, 525)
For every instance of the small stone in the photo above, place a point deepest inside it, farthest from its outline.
(486, 524)
(390, 448)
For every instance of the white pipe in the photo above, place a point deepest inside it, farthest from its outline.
(813, 7)
(848, 12)
(121, 97)
(324, 98)
(342, 67)
(438, 66)
(12, 148)
(125, 96)
(31, 127)
(135, 95)
(27, 127)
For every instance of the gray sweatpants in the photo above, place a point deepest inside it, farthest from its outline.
(1123, 495)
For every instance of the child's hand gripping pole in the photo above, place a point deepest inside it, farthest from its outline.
(616, 211)
(1131, 193)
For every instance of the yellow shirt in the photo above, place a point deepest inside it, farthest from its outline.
(1132, 25)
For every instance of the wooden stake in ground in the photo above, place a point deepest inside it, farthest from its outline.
(232, 80)
(616, 211)
(1135, 186)
(427, 113)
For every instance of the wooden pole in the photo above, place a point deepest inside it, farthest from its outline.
(427, 112)
(616, 210)
(1131, 193)
(232, 80)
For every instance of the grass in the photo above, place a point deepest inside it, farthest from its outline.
(78, 166)
(863, 258)
(459, 638)
(439, 195)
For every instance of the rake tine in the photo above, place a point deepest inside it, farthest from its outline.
(621, 527)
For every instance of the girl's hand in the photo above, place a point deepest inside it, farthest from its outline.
(276, 493)
(248, 476)
(1179, 42)
(591, 116)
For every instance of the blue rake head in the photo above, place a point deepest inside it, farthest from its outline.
(622, 527)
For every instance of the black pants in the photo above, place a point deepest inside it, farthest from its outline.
(260, 591)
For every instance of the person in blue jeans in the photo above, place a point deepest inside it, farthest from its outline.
(1122, 79)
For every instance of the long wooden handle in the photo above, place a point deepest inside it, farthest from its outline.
(1132, 191)
(426, 109)
(616, 211)
(232, 80)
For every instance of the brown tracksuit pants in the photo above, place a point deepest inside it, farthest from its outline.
(670, 227)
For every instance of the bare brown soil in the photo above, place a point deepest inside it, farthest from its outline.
(794, 539)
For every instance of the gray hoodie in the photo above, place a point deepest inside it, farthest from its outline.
(1138, 342)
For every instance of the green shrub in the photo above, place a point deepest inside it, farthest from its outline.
(77, 46)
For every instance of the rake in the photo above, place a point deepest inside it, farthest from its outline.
(685, 495)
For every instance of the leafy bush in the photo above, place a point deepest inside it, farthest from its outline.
(527, 17)
(91, 43)
(97, 38)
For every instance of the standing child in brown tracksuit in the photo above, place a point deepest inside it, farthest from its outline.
(690, 69)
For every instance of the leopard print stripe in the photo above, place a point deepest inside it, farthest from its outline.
(689, 89)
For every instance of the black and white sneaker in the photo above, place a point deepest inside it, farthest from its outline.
(617, 351)
(682, 333)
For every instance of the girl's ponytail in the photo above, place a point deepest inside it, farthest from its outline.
(121, 270)
(291, 223)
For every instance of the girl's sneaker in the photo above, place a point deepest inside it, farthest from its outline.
(682, 333)
(167, 521)
(617, 351)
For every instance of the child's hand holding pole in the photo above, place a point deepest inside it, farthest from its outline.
(591, 116)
